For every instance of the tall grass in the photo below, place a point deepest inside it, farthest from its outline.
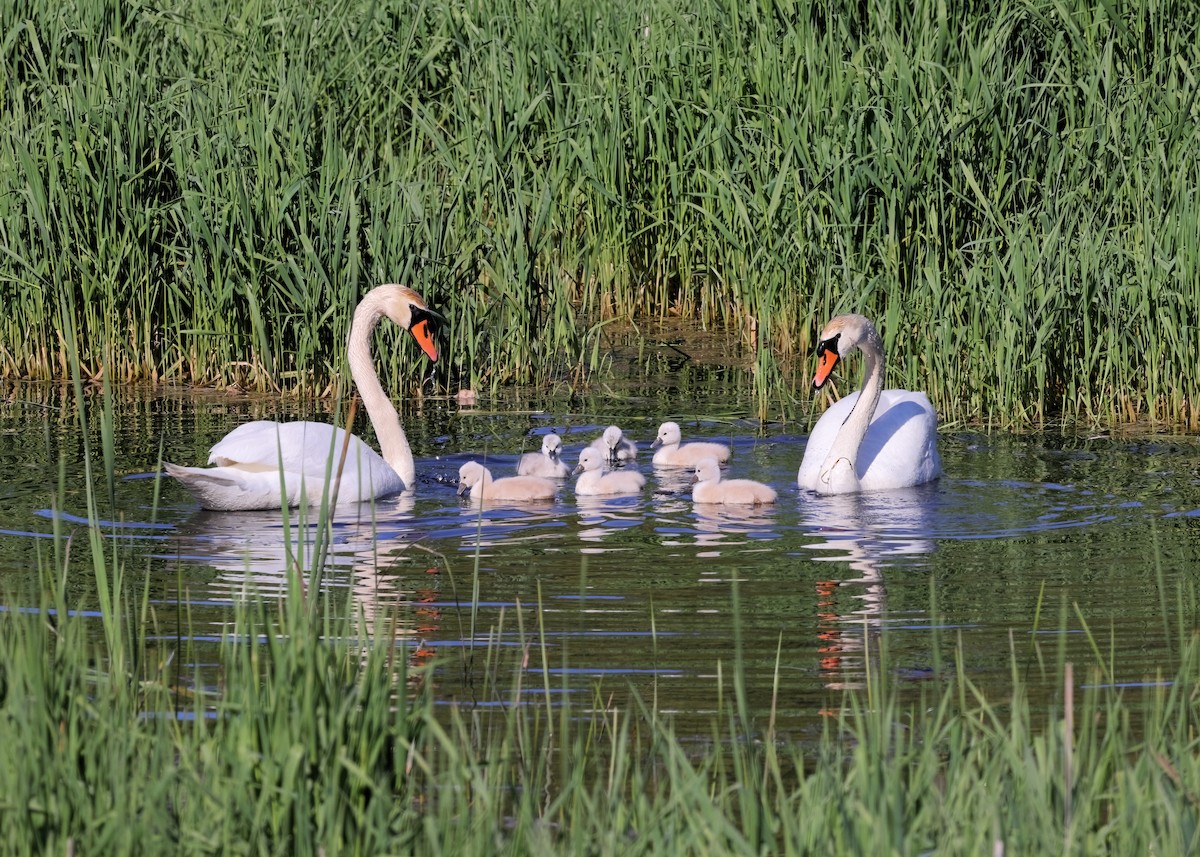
(1009, 190)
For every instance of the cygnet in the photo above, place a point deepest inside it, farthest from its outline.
(594, 480)
(476, 480)
(709, 487)
(670, 453)
(548, 463)
(614, 445)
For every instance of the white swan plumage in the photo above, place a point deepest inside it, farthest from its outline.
(709, 487)
(874, 439)
(669, 452)
(594, 480)
(546, 463)
(267, 465)
(476, 481)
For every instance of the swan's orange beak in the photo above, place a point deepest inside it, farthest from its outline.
(827, 358)
(422, 331)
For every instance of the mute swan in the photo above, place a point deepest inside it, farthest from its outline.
(266, 464)
(593, 480)
(711, 488)
(614, 445)
(671, 454)
(476, 480)
(546, 463)
(874, 439)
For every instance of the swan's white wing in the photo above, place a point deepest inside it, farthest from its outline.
(898, 451)
(248, 472)
(900, 447)
(302, 447)
(232, 488)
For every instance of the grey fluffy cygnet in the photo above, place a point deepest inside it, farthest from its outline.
(614, 445)
(547, 463)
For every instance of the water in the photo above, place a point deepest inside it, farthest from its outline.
(1028, 544)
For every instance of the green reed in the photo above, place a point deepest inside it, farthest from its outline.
(1009, 190)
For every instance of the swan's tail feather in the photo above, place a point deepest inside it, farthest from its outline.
(220, 489)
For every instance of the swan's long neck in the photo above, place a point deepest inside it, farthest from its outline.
(845, 446)
(393, 444)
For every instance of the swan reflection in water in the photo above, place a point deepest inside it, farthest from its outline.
(673, 481)
(866, 533)
(714, 527)
(602, 515)
(367, 551)
(720, 527)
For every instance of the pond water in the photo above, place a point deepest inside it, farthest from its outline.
(1027, 544)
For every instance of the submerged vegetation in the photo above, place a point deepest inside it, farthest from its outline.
(1009, 190)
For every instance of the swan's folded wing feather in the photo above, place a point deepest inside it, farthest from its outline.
(903, 437)
(188, 475)
(227, 489)
(302, 447)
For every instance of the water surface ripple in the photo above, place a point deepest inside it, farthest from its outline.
(1023, 545)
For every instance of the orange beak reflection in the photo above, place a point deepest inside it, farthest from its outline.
(422, 331)
(827, 360)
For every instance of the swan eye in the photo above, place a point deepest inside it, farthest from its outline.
(829, 344)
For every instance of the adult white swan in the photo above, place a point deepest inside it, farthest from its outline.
(267, 464)
(874, 439)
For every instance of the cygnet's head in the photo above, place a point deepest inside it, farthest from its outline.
(552, 446)
(589, 459)
(706, 470)
(471, 474)
(668, 434)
